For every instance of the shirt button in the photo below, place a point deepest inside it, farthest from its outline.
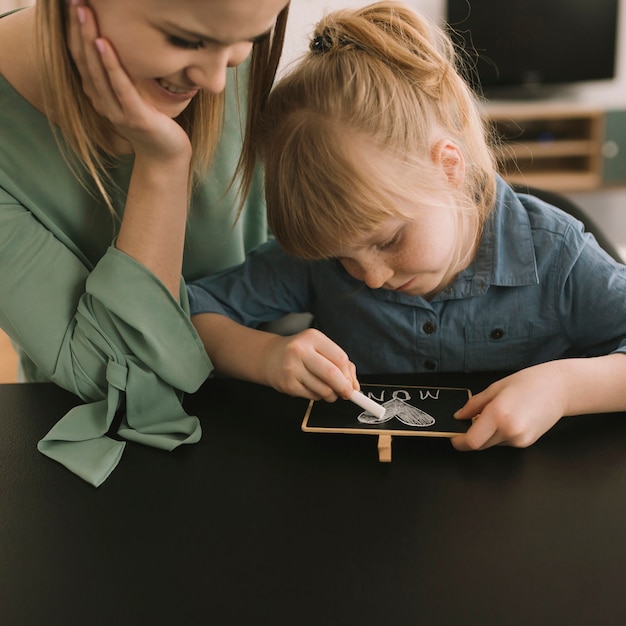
(497, 333)
(428, 328)
(430, 365)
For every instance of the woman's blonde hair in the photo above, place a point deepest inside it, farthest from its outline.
(386, 75)
(89, 136)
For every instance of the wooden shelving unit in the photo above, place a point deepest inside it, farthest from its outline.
(552, 145)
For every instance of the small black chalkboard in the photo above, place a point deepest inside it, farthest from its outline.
(411, 410)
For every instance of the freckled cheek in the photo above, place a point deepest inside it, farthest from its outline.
(411, 260)
(354, 269)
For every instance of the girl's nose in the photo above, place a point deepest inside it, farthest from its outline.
(375, 278)
(209, 72)
(371, 270)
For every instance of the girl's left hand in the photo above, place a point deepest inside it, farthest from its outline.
(516, 410)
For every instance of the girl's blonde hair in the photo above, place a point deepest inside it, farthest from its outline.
(89, 136)
(388, 76)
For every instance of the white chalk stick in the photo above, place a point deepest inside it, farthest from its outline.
(368, 404)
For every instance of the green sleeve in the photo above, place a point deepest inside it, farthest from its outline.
(93, 332)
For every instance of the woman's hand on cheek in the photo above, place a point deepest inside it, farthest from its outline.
(310, 365)
(514, 411)
(113, 95)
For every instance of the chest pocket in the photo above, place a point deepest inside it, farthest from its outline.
(498, 346)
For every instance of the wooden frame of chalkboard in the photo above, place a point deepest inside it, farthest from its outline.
(411, 410)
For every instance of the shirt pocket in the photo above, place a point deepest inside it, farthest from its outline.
(498, 346)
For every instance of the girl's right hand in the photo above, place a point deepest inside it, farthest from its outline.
(113, 95)
(310, 365)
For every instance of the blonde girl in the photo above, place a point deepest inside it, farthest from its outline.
(410, 251)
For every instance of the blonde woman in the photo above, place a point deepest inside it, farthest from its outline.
(412, 254)
(117, 155)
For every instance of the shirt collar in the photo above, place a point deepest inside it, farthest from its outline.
(506, 255)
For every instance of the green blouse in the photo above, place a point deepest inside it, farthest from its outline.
(88, 317)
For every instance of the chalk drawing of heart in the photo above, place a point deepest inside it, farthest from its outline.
(400, 409)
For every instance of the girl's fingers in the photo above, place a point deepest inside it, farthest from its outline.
(318, 363)
(339, 377)
(316, 389)
(482, 434)
(323, 387)
(477, 403)
(351, 375)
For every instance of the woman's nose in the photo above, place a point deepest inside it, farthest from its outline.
(209, 72)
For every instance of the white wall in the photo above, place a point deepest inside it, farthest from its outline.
(304, 14)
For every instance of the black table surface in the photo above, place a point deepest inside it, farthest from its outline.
(261, 523)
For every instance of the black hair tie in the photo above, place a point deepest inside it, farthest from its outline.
(321, 43)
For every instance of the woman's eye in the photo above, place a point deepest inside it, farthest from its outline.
(185, 43)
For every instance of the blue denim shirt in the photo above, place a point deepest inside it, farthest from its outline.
(539, 289)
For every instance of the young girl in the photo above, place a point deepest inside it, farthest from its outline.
(412, 254)
(111, 113)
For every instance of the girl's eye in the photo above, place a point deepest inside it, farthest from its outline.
(390, 242)
(185, 43)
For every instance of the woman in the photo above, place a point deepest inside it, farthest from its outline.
(110, 115)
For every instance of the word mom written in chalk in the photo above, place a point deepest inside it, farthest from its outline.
(424, 394)
(398, 407)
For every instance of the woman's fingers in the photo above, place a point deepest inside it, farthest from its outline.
(82, 35)
(114, 96)
(116, 89)
(76, 43)
(98, 65)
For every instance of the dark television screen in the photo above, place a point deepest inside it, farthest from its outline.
(530, 45)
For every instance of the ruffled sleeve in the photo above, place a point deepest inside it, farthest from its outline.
(151, 396)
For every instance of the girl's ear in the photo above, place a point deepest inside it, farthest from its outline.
(447, 154)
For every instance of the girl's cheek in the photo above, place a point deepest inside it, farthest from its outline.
(352, 268)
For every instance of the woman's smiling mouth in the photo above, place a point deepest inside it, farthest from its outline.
(175, 90)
